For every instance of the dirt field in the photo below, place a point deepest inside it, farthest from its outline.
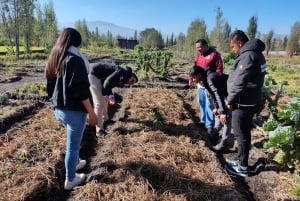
(141, 158)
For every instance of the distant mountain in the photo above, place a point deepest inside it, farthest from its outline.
(103, 28)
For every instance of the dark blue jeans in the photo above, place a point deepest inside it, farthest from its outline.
(242, 123)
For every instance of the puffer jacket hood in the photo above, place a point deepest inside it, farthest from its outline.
(247, 75)
(252, 45)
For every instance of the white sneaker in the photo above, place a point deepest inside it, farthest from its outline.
(79, 178)
(81, 164)
(232, 162)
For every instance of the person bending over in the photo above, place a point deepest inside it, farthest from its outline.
(103, 78)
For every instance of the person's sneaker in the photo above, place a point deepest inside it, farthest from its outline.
(101, 133)
(212, 136)
(232, 162)
(108, 122)
(220, 146)
(79, 178)
(237, 170)
(200, 124)
(81, 164)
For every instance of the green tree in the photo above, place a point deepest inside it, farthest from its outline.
(196, 30)
(225, 46)
(27, 26)
(293, 41)
(135, 37)
(268, 41)
(83, 29)
(95, 38)
(151, 38)
(79, 25)
(180, 42)
(167, 44)
(50, 28)
(85, 34)
(39, 27)
(277, 44)
(285, 41)
(97, 34)
(109, 38)
(252, 28)
(45, 26)
(172, 39)
(11, 20)
(219, 36)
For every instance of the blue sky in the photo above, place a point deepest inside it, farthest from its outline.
(175, 16)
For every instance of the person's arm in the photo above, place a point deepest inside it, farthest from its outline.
(110, 82)
(50, 86)
(219, 63)
(92, 117)
(191, 83)
(110, 99)
(214, 83)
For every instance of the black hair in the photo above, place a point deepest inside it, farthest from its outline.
(130, 73)
(129, 69)
(134, 75)
(75, 37)
(239, 35)
(196, 70)
(68, 37)
(202, 42)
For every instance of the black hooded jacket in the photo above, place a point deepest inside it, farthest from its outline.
(69, 90)
(215, 83)
(246, 77)
(110, 75)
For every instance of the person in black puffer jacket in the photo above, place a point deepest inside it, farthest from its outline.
(244, 86)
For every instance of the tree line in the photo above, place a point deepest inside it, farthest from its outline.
(25, 23)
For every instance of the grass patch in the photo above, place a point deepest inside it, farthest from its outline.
(286, 69)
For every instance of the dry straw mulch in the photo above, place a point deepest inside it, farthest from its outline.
(140, 159)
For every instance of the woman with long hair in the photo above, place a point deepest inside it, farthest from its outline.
(68, 89)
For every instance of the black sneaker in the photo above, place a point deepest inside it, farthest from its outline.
(200, 124)
(108, 122)
(101, 133)
(236, 170)
(212, 136)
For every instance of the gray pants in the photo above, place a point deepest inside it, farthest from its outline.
(226, 128)
(100, 104)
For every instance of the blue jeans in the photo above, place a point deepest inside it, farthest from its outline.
(206, 107)
(74, 122)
